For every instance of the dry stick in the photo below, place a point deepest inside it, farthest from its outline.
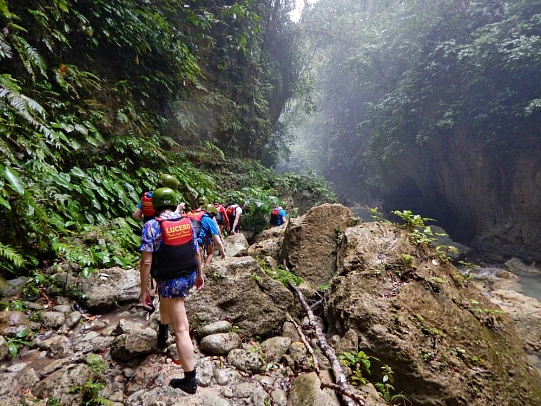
(347, 395)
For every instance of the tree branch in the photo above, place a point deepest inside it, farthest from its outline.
(348, 397)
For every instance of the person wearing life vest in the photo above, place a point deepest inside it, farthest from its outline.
(234, 212)
(145, 210)
(206, 229)
(169, 253)
(277, 216)
(221, 216)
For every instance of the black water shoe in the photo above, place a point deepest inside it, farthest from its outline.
(188, 384)
(163, 336)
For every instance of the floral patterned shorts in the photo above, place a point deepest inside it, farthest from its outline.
(179, 287)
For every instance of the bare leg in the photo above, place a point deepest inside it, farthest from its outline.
(174, 307)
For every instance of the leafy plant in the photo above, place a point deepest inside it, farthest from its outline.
(358, 362)
(15, 343)
(385, 387)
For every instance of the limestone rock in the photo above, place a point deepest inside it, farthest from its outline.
(433, 332)
(306, 391)
(234, 244)
(238, 290)
(310, 242)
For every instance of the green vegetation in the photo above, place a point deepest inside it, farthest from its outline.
(280, 274)
(15, 343)
(96, 100)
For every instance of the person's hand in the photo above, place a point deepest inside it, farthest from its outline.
(199, 281)
(146, 300)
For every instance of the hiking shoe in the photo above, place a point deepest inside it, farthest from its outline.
(188, 385)
(163, 336)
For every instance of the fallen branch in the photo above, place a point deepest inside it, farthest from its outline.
(306, 344)
(324, 384)
(348, 397)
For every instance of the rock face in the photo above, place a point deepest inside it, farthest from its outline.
(237, 289)
(489, 200)
(446, 343)
(309, 244)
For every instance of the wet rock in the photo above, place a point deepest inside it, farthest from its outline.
(28, 379)
(289, 330)
(105, 289)
(279, 397)
(4, 351)
(12, 323)
(516, 265)
(72, 318)
(60, 383)
(12, 287)
(349, 342)
(53, 319)
(220, 344)
(58, 346)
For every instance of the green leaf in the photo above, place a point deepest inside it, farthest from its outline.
(14, 180)
(78, 172)
(5, 203)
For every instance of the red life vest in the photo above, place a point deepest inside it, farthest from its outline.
(195, 216)
(148, 208)
(175, 257)
(231, 210)
(274, 217)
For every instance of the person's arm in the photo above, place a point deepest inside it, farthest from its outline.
(238, 211)
(138, 214)
(200, 279)
(180, 208)
(284, 215)
(144, 270)
(226, 218)
(218, 242)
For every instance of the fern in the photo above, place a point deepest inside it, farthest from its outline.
(29, 56)
(11, 255)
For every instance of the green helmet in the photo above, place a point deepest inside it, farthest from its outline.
(169, 181)
(163, 197)
(202, 201)
(211, 209)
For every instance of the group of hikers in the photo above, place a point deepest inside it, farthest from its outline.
(175, 246)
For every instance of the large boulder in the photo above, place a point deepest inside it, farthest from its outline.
(238, 290)
(309, 244)
(446, 343)
(105, 289)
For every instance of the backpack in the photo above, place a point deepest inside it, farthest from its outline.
(275, 217)
(231, 210)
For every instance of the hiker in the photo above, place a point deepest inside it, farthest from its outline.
(206, 229)
(221, 216)
(234, 212)
(277, 216)
(145, 210)
(170, 254)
